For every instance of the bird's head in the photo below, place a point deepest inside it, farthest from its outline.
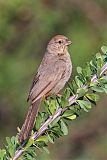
(58, 44)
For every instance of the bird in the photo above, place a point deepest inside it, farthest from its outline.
(51, 77)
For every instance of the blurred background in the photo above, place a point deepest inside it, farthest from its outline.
(25, 28)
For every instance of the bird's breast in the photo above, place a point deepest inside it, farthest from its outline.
(67, 65)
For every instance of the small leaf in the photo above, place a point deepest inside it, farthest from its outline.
(81, 92)
(55, 121)
(105, 85)
(8, 140)
(42, 138)
(64, 128)
(103, 79)
(93, 66)
(72, 117)
(52, 106)
(79, 70)
(50, 139)
(38, 121)
(29, 143)
(29, 157)
(64, 102)
(97, 89)
(10, 147)
(67, 113)
(18, 129)
(78, 81)
(46, 106)
(99, 63)
(66, 93)
(93, 97)
(104, 49)
(46, 150)
(29, 154)
(84, 105)
(76, 109)
(105, 88)
(74, 86)
(88, 71)
(2, 154)
(87, 104)
(57, 132)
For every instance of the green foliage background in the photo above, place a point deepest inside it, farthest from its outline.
(25, 28)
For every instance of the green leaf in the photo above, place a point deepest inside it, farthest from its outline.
(81, 92)
(72, 117)
(75, 109)
(104, 49)
(57, 132)
(55, 121)
(43, 139)
(10, 147)
(79, 70)
(74, 86)
(105, 88)
(67, 113)
(66, 93)
(46, 150)
(88, 71)
(87, 104)
(2, 154)
(97, 89)
(8, 140)
(78, 81)
(84, 105)
(29, 157)
(103, 79)
(93, 66)
(93, 97)
(99, 63)
(46, 106)
(29, 143)
(38, 121)
(42, 116)
(105, 85)
(64, 102)
(64, 128)
(50, 139)
(30, 153)
(52, 106)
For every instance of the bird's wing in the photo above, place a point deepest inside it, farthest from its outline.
(46, 81)
(35, 79)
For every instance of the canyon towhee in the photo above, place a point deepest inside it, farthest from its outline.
(53, 72)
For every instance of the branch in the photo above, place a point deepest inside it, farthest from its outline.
(51, 124)
(59, 112)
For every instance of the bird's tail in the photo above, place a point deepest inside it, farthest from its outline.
(29, 121)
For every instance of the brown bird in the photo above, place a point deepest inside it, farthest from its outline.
(53, 72)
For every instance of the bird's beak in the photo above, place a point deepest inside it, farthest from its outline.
(68, 43)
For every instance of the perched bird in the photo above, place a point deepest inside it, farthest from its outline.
(53, 72)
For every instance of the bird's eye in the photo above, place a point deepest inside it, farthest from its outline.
(59, 41)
